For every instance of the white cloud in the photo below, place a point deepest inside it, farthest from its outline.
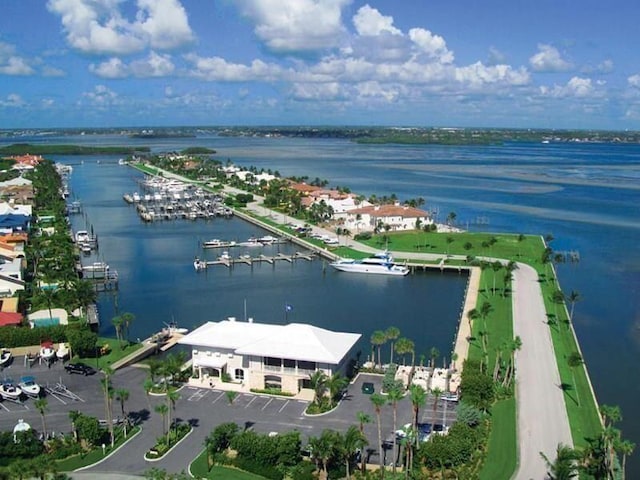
(317, 91)
(370, 22)
(49, 71)
(98, 27)
(12, 100)
(301, 25)
(12, 64)
(634, 80)
(111, 68)
(433, 45)
(165, 22)
(575, 87)
(154, 65)
(101, 96)
(15, 66)
(218, 69)
(549, 59)
(478, 75)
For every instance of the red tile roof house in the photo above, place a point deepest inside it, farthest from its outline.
(398, 217)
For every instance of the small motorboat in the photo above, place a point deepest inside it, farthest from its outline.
(9, 391)
(29, 386)
(63, 351)
(199, 265)
(225, 257)
(5, 357)
(47, 352)
(172, 328)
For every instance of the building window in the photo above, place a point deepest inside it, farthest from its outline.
(272, 381)
(239, 373)
(302, 365)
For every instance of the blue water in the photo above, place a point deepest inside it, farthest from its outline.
(585, 195)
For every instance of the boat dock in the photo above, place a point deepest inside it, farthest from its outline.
(248, 260)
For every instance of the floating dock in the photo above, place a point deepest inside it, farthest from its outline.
(248, 260)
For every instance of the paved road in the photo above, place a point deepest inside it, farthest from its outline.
(542, 416)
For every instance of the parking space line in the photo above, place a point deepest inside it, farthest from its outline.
(282, 408)
(57, 398)
(267, 404)
(2, 405)
(218, 397)
(250, 401)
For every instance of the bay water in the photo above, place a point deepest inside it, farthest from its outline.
(585, 195)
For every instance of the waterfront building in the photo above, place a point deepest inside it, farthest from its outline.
(259, 355)
(398, 217)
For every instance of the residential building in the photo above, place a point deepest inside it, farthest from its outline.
(397, 217)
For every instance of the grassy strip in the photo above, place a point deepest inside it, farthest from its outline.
(198, 469)
(501, 450)
(584, 418)
(95, 455)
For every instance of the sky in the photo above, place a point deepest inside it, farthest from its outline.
(464, 63)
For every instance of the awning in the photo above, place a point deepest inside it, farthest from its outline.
(212, 362)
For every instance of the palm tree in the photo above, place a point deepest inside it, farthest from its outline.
(231, 396)
(392, 333)
(393, 397)
(336, 383)
(378, 401)
(362, 419)
(378, 338)
(122, 395)
(172, 398)
(564, 467)
(472, 315)
(127, 320)
(521, 238)
(610, 414)
(496, 267)
(107, 390)
(117, 324)
(42, 406)
(514, 346)
(148, 386)
(434, 353)
(352, 440)
(575, 360)
(437, 393)
(318, 380)
(162, 409)
(573, 297)
(626, 448)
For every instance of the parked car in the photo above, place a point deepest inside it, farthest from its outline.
(368, 388)
(79, 368)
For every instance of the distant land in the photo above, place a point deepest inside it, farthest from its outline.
(44, 149)
(370, 135)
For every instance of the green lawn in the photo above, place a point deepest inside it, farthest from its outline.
(117, 350)
(199, 470)
(501, 451)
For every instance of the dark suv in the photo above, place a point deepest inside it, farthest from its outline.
(79, 368)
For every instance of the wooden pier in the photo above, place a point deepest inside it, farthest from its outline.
(248, 260)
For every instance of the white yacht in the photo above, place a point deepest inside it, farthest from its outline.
(5, 357)
(379, 264)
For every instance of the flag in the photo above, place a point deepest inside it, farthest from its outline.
(287, 307)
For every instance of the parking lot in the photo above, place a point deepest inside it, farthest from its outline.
(204, 408)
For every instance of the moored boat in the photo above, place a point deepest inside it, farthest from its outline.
(379, 264)
(199, 264)
(217, 243)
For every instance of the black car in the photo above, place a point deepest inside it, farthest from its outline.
(368, 388)
(79, 368)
